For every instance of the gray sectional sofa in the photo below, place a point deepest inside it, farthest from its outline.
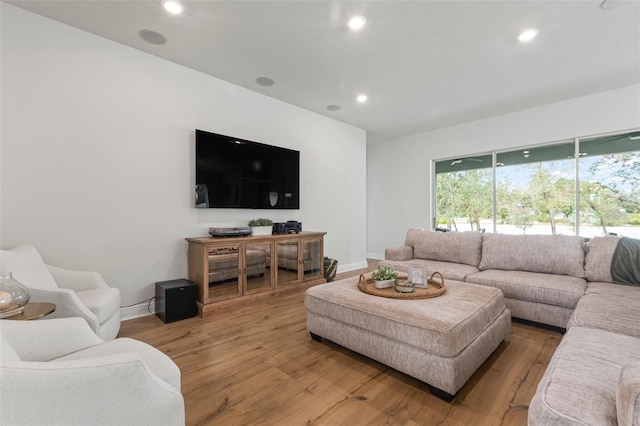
(562, 281)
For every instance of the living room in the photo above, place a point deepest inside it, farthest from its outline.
(98, 153)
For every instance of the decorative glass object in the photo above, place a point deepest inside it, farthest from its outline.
(13, 296)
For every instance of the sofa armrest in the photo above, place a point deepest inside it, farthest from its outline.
(68, 304)
(77, 280)
(45, 340)
(628, 395)
(399, 253)
(111, 389)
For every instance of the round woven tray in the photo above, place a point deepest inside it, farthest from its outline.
(434, 289)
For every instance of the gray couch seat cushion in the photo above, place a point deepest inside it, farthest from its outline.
(443, 325)
(455, 247)
(609, 312)
(550, 254)
(611, 288)
(450, 271)
(558, 290)
(579, 386)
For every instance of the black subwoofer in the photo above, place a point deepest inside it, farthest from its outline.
(176, 300)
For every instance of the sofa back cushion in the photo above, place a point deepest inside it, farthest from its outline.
(455, 247)
(597, 262)
(550, 254)
(26, 265)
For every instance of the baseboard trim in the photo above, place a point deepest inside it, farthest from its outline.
(352, 266)
(376, 256)
(137, 311)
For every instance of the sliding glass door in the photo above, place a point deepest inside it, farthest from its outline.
(584, 187)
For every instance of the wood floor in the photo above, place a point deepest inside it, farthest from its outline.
(257, 365)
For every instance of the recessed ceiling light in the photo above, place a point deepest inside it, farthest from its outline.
(265, 81)
(362, 98)
(333, 107)
(173, 6)
(357, 22)
(528, 35)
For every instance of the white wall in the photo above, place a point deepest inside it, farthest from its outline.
(97, 156)
(399, 175)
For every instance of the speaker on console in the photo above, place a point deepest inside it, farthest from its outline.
(176, 300)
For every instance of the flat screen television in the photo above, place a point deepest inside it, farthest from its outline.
(241, 174)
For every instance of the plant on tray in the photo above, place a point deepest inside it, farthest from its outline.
(385, 276)
(261, 226)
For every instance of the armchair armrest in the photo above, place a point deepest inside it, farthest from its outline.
(77, 280)
(399, 253)
(68, 304)
(113, 389)
(45, 340)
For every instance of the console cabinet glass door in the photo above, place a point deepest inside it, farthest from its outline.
(224, 273)
(312, 260)
(287, 261)
(257, 267)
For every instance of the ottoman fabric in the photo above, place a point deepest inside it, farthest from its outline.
(443, 325)
(441, 341)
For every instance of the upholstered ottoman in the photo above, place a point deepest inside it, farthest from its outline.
(441, 341)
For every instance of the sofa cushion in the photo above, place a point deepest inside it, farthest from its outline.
(26, 265)
(450, 271)
(559, 290)
(611, 312)
(628, 395)
(597, 262)
(455, 247)
(580, 384)
(611, 288)
(551, 254)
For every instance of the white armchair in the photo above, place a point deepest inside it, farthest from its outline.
(58, 372)
(75, 293)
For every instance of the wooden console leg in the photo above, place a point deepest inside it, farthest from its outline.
(447, 397)
(316, 337)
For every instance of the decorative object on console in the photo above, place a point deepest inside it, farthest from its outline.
(230, 232)
(288, 227)
(261, 226)
(330, 268)
(384, 276)
(13, 296)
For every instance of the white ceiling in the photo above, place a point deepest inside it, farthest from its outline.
(423, 64)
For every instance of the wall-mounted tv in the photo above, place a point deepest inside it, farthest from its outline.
(241, 174)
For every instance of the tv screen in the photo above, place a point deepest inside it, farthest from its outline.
(237, 173)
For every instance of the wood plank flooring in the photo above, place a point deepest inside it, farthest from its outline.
(257, 365)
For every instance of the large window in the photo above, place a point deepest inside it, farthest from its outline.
(584, 187)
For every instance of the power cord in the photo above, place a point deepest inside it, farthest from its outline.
(148, 301)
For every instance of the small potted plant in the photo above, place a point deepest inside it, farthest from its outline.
(385, 276)
(261, 226)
